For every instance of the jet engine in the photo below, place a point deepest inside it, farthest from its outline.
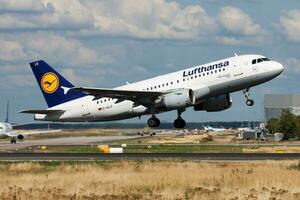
(20, 137)
(215, 104)
(177, 99)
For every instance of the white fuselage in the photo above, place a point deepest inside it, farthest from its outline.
(216, 78)
(5, 128)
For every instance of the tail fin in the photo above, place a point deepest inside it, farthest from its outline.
(53, 85)
(7, 113)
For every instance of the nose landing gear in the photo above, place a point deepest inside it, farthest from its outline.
(249, 102)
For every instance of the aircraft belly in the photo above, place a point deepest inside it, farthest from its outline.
(117, 111)
(239, 84)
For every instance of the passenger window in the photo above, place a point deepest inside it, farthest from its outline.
(177, 81)
(167, 84)
(171, 83)
(191, 77)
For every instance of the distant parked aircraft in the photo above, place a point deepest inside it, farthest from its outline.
(204, 87)
(209, 128)
(7, 131)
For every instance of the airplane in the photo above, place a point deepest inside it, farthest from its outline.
(7, 131)
(209, 128)
(204, 87)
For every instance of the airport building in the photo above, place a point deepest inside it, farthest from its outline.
(274, 104)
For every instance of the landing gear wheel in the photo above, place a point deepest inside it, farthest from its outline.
(179, 123)
(13, 141)
(250, 102)
(153, 122)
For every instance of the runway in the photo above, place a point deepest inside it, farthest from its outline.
(6, 146)
(147, 156)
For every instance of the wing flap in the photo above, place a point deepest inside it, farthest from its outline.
(42, 111)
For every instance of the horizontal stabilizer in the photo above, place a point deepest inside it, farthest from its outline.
(42, 111)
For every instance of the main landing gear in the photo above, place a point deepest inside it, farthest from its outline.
(153, 122)
(13, 141)
(249, 102)
(179, 122)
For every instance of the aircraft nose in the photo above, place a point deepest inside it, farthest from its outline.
(277, 68)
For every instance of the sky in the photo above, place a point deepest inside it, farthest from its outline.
(104, 43)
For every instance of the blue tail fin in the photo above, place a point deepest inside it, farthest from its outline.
(53, 85)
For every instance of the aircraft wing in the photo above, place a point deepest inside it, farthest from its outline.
(141, 96)
(42, 111)
(15, 134)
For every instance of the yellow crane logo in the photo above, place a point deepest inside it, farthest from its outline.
(49, 82)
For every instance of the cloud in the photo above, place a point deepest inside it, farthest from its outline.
(154, 19)
(10, 51)
(292, 66)
(18, 50)
(21, 6)
(290, 25)
(234, 20)
(146, 19)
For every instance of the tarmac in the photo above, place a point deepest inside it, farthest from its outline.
(69, 141)
(147, 156)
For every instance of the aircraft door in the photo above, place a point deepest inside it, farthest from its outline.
(237, 67)
(84, 110)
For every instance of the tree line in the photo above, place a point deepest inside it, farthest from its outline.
(287, 123)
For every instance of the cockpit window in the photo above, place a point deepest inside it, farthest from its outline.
(266, 59)
(259, 60)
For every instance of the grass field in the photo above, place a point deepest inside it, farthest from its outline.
(150, 180)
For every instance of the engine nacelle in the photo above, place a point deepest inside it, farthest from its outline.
(215, 104)
(180, 98)
(20, 137)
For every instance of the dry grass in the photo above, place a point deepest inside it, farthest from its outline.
(280, 149)
(151, 180)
